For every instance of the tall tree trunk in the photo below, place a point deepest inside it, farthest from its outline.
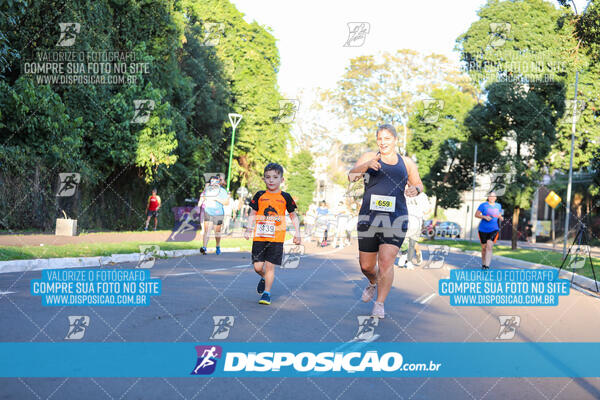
(37, 204)
(435, 208)
(515, 225)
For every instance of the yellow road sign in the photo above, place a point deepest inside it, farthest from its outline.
(553, 199)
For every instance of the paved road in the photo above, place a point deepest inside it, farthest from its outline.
(318, 301)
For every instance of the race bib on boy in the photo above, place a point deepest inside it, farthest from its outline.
(265, 229)
(383, 203)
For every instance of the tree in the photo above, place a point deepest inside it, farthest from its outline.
(515, 129)
(87, 128)
(438, 129)
(533, 43)
(250, 58)
(385, 88)
(301, 182)
(523, 40)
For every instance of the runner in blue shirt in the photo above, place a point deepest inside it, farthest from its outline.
(490, 213)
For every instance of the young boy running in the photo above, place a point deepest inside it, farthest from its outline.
(268, 209)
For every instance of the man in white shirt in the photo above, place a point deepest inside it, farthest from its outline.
(418, 207)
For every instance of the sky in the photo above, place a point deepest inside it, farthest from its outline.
(311, 33)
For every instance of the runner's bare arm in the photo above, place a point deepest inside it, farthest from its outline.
(296, 222)
(368, 160)
(478, 214)
(414, 180)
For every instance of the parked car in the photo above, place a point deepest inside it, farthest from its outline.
(447, 229)
(427, 229)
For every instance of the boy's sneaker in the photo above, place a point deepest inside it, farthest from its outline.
(203, 250)
(261, 286)
(218, 250)
(378, 310)
(368, 293)
(146, 228)
(409, 265)
(265, 299)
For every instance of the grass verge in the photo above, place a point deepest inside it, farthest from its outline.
(106, 249)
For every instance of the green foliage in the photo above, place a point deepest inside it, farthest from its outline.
(385, 89)
(588, 29)
(250, 58)
(541, 47)
(434, 143)
(301, 183)
(513, 138)
(88, 128)
(523, 40)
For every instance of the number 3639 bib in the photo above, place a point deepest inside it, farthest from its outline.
(383, 203)
(265, 229)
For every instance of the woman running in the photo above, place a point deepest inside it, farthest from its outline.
(383, 216)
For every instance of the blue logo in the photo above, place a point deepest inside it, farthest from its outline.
(207, 359)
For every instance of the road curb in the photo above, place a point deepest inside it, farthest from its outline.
(96, 261)
(579, 280)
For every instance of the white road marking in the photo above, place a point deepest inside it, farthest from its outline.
(418, 299)
(209, 270)
(182, 274)
(425, 298)
(431, 296)
(248, 265)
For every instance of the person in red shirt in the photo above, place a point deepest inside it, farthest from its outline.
(152, 209)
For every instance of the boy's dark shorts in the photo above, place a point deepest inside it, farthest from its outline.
(153, 214)
(267, 251)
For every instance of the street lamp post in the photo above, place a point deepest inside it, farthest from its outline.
(570, 167)
(473, 197)
(568, 211)
(404, 121)
(235, 120)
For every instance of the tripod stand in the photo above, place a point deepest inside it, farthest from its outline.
(581, 239)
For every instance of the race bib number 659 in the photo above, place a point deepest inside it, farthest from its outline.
(383, 203)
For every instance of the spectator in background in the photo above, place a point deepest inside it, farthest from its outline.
(152, 208)
(227, 210)
(342, 216)
(322, 221)
(309, 220)
(418, 207)
(322, 209)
